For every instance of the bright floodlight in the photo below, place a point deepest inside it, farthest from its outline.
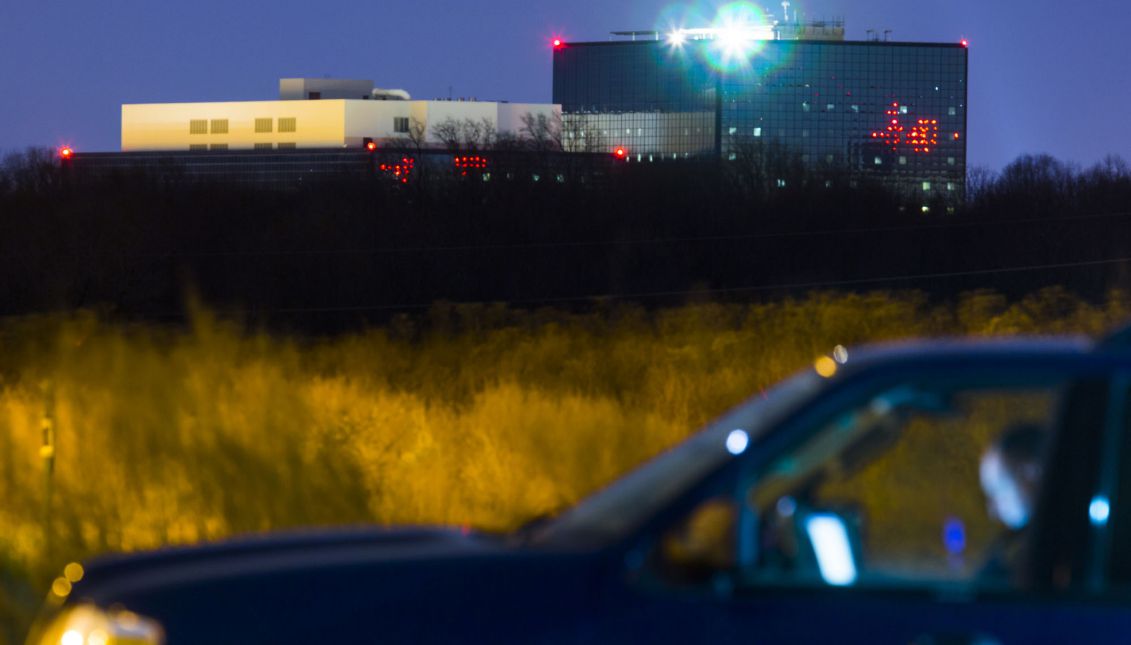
(677, 37)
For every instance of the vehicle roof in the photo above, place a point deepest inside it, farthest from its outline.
(958, 349)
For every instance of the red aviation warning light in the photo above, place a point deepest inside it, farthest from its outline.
(620, 153)
(370, 145)
(557, 43)
(964, 42)
(66, 152)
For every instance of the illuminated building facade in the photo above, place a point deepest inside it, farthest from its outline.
(890, 111)
(314, 113)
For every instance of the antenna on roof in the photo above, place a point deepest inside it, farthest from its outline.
(887, 32)
(785, 10)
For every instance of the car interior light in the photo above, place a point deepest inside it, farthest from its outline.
(737, 441)
(829, 538)
(1099, 510)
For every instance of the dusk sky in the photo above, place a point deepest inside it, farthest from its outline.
(1045, 76)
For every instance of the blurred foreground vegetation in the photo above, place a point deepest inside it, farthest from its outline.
(477, 415)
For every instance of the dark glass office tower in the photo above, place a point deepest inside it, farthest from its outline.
(894, 112)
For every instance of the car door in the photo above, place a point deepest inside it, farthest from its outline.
(871, 518)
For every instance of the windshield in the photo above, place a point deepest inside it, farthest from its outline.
(617, 509)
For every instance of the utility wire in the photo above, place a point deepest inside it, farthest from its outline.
(698, 292)
(590, 243)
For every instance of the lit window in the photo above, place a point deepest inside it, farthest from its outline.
(757, 132)
(198, 126)
(263, 125)
(903, 161)
(400, 124)
(856, 109)
(732, 156)
(804, 106)
(879, 161)
(950, 161)
(804, 133)
(903, 109)
(732, 131)
(781, 183)
(219, 126)
(952, 111)
(926, 185)
(830, 107)
(950, 186)
(288, 124)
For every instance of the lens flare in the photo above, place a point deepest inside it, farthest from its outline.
(740, 30)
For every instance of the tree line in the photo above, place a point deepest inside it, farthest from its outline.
(341, 254)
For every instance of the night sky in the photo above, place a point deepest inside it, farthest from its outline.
(1045, 76)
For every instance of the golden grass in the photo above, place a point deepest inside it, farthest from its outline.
(487, 419)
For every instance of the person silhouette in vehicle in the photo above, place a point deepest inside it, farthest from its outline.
(1010, 473)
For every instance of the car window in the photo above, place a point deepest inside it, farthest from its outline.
(614, 511)
(928, 479)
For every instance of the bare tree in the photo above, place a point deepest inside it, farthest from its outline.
(542, 132)
(468, 134)
(448, 133)
(415, 139)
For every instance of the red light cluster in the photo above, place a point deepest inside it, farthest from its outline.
(399, 171)
(370, 145)
(474, 162)
(922, 137)
(66, 152)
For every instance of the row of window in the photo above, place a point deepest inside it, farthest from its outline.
(220, 126)
(195, 147)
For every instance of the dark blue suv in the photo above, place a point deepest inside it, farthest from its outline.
(873, 498)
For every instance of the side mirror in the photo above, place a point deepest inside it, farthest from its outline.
(701, 546)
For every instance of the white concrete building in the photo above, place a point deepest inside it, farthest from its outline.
(313, 113)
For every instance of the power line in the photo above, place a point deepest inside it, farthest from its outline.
(591, 243)
(704, 292)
